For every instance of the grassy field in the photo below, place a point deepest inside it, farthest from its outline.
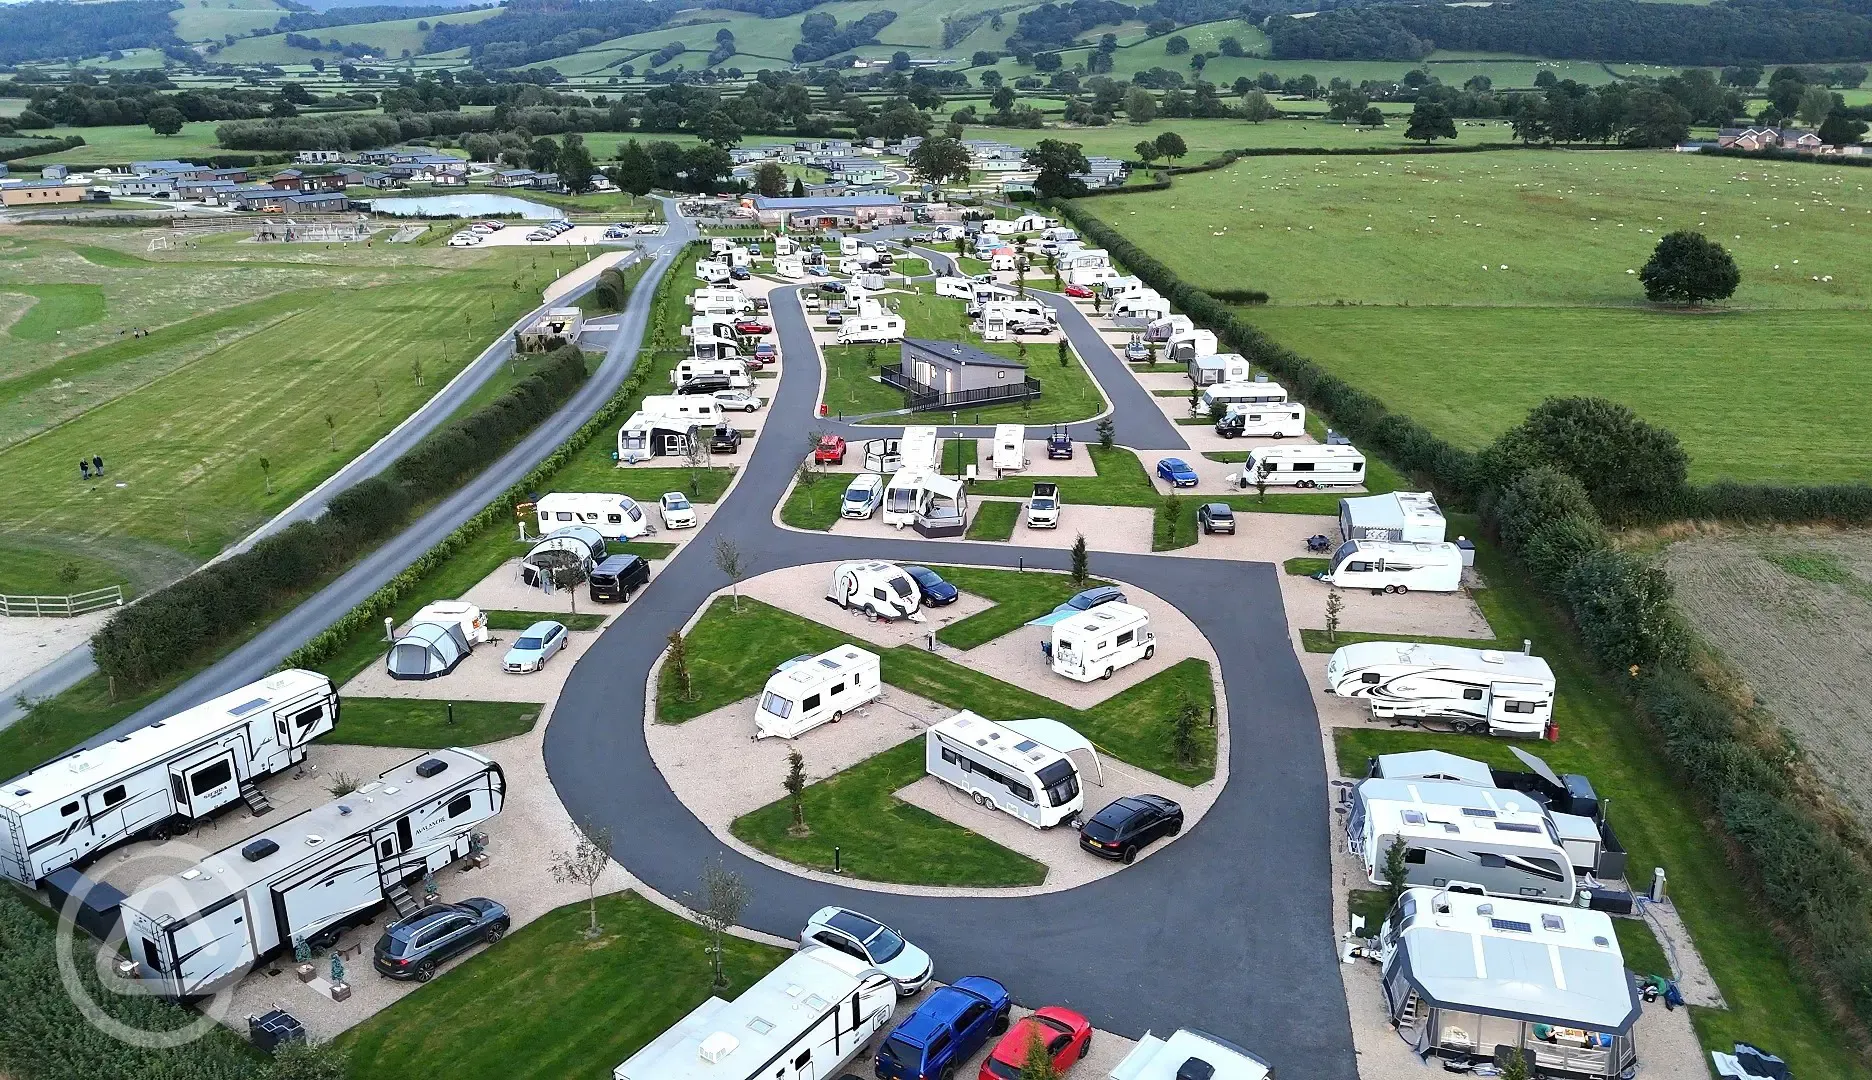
(880, 837)
(547, 1003)
(213, 20)
(1409, 253)
(392, 36)
(994, 521)
(122, 144)
(420, 724)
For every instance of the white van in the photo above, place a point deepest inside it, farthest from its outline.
(1301, 466)
(713, 271)
(1022, 767)
(862, 496)
(807, 691)
(879, 589)
(1392, 567)
(615, 516)
(1093, 644)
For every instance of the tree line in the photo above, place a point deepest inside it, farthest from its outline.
(52, 31)
(821, 35)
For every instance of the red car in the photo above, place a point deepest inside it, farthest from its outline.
(831, 451)
(1080, 292)
(752, 326)
(1066, 1035)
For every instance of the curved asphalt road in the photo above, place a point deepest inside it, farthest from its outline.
(265, 650)
(1228, 929)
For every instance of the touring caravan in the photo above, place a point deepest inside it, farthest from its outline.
(713, 348)
(1182, 348)
(1301, 466)
(1502, 693)
(1383, 566)
(807, 1019)
(879, 589)
(960, 288)
(1092, 276)
(731, 369)
(1395, 515)
(871, 324)
(1022, 767)
(1147, 305)
(1010, 448)
(1093, 644)
(576, 545)
(614, 516)
(807, 691)
(303, 879)
(724, 300)
(702, 408)
(1212, 368)
(903, 495)
(646, 435)
(1241, 393)
(1286, 420)
(158, 779)
(1119, 287)
(1084, 259)
(1498, 840)
(714, 271)
(1166, 329)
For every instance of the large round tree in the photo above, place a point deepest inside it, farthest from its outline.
(1689, 268)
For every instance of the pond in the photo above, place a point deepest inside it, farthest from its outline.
(465, 206)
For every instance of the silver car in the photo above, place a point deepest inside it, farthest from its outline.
(859, 935)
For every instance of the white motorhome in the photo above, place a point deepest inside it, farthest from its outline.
(879, 589)
(1241, 393)
(806, 1019)
(615, 516)
(871, 324)
(714, 271)
(1189, 1053)
(158, 779)
(731, 369)
(807, 691)
(1470, 689)
(723, 300)
(1501, 841)
(1118, 287)
(303, 879)
(1301, 466)
(1010, 448)
(1384, 566)
(1093, 644)
(1286, 420)
(1022, 767)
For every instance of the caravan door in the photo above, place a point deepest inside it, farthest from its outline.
(204, 786)
(209, 949)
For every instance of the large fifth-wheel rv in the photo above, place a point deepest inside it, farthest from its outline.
(1021, 767)
(1301, 466)
(303, 879)
(1469, 689)
(805, 1020)
(1384, 566)
(160, 778)
(615, 516)
(1500, 841)
(879, 589)
(807, 691)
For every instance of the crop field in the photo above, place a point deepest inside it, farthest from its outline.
(1791, 611)
(303, 379)
(1512, 269)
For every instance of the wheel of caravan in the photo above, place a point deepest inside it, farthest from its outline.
(870, 611)
(1150, 651)
(1107, 675)
(977, 796)
(837, 716)
(1402, 589)
(1280, 435)
(1390, 590)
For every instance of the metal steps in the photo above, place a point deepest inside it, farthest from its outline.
(401, 900)
(255, 799)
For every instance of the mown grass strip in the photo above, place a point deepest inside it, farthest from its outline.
(423, 724)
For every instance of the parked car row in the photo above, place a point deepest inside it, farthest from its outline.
(550, 230)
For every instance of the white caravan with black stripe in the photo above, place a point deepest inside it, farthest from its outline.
(1501, 841)
(305, 878)
(160, 778)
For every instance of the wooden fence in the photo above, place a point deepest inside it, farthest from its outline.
(63, 607)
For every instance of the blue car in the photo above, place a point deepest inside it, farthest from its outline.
(1177, 472)
(945, 1031)
(936, 592)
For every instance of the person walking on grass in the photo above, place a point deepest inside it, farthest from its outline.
(97, 464)
(84, 469)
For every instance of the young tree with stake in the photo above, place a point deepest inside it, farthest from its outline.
(795, 785)
(724, 897)
(1335, 603)
(585, 864)
(1080, 561)
(730, 560)
(676, 661)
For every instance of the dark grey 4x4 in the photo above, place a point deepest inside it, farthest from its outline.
(413, 947)
(613, 580)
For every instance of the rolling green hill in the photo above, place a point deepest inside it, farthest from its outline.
(213, 20)
(392, 37)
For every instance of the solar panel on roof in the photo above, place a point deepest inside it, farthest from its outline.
(246, 707)
(1476, 811)
(1517, 826)
(1515, 925)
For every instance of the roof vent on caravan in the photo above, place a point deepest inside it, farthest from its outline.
(1553, 922)
(1601, 942)
(259, 849)
(1490, 656)
(1413, 817)
(718, 1046)
(430, 767)
(1195, 1069)
(344, 810)
(314, 839)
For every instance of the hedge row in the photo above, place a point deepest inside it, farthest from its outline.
(1858, 160)
(170, 627)
(1622, 607)
(371, 611)
(42, 146)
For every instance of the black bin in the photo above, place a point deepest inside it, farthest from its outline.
(273, 1030)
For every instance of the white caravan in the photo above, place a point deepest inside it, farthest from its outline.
(724, 300)
(1115, 288)
(1301, 466)
(880, 589)
(731, 369)
(1022, 767)
(1144, 305)
(1167, 328)
(158, 779)
(807, 691)
(646, 435)
(719, 245)
(1213, 368)
(1384, 566)
(804, 1020)
(1189, 1053)
(702, 409)
(1395, 515)
(1500, 841)
(1092, 277)
(1286, 420)
(1010, 448)
(1241, 393)
(1093, 644)
(871, 324)
(714, 348)
(1084, 259)
(1184, 347)
(306, 877)
(919, 457)
(789, 266)
(615, 516)
(1470, 689)
(714, 271)
(960, 288)
(862, 496)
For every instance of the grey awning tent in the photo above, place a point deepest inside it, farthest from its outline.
(1062, 738)
(427, 651)
(1434, 765)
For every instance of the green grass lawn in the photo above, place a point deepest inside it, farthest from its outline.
(33, 570)
(881, 837)
(732, 653)
(1640, 949)
(994, 520)
(546, 1003)
(422, 724)
(122, 144)
(1305, 567)
(815, 505)
(1018, 598)
(520, 620)
(1314, 641)
(56, 308)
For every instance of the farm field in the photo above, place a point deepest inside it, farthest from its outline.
(212, 20)
(1207, 138)
(123, 143)
(1791, 612)
(391, 36)
(1512, 269)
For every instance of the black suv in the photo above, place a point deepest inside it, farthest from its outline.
(726, 440)
(411, 948)
(617, 577)
(1124, 826)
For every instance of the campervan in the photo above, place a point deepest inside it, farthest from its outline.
(1301, 466)
(871, 323)
(808, 1018)
(1143, 305)
(614, 516)
(159, 779)
(1010, 448)
(1021, 767)
(1501, 841)
(1283, 421)
(1241, 393)
(1119, 287)
(1389, 567)
(724, 300)
(1091, 275)
(731, 369)
(304, 879)
(714, 271)
(807, 691)
(1092, 644)
(1502, 693)
(879, 589)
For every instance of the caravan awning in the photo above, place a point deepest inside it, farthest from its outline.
(1052, 617)
(944, 486)
(1061, 738)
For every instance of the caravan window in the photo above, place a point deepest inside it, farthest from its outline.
(837, 689)
(1414, 856)
(1060, 781)
(1472, 694)
(306, 719)
(115, 795)
(459, 805)
(212, 777)
(949, 755)
(614, 519)
(879, 594)
(1303, 466)
(1518, 706)
(810, 703)
(1127, 637)
(562, 516)
(68, 809)
(1370, 678)
(776, 705)
(1360, 567)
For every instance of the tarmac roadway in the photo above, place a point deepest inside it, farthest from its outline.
(1228, 929)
